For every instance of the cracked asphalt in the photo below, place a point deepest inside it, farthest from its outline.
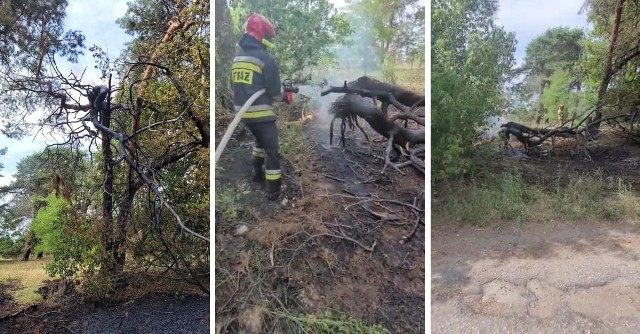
(551, 278)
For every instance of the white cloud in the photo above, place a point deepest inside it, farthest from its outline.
(529, 19)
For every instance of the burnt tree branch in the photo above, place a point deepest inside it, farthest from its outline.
(349, 107)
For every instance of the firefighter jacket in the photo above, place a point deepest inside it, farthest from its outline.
(253, 69)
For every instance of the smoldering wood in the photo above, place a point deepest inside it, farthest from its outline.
(349, 107)
(531, 137)
(402, 98)
(400, 94)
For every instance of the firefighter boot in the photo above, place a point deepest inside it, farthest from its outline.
(273, 189)
(257, 172)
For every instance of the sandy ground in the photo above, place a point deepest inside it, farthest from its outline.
(551, 278)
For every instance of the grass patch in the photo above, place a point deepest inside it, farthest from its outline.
(294, 145)
(506, 197)
(411, 78)
(227, 200)
(487, 200)
(28, 274)
(595, 196)
(327, 324)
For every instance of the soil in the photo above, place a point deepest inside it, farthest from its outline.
(311, 250)
(65, 311)
(555, 277)
(552, 278)
(611, 154)
(7, 304)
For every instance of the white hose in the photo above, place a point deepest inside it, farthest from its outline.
(234, 123)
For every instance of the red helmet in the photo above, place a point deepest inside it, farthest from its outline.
(260, 28)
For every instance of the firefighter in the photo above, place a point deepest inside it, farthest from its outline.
(562, 114)
(253, 69)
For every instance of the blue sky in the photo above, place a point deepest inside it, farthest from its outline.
(96, 19)
(529, 19)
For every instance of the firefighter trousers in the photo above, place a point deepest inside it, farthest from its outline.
(266, 150)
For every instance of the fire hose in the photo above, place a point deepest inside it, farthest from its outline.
(288, 88)
(234, 123)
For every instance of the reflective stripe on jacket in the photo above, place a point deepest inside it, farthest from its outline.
(253, 69)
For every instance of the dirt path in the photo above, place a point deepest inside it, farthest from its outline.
(554, 278)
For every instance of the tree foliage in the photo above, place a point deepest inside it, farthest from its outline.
(31, 29)
(64, 234)
(31, 32)
(613, 55)
(146, 145)
(396, 27)
(306, 30)
(384, 33)
(557, 48)
(58, 171)
(551, 72)
(471, 59)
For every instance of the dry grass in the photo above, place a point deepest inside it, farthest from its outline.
(28, 275)
(411, 78)
(506, 197)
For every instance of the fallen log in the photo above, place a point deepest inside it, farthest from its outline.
(402, 95)
(533, 137)
(399, 97)
(350, 106)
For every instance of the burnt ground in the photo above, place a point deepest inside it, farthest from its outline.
(551, 277)
(309, 254)
(612, 154)
(65, 311)
(7, 304)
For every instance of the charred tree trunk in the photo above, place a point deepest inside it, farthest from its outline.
(39, 256)
(107, 194)
(351, 104)
(27, 253)
(607, 72)
(402, 95)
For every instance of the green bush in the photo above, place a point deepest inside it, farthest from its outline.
(471, 58)
(63, 236)
(10, 248)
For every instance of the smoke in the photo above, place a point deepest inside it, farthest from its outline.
(319, 104)
(493, 126)
(354, 58)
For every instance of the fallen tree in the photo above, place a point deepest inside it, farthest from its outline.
(532, 137)
(407, 142)
(388, 93)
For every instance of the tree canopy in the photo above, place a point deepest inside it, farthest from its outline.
(471, 61)
(306, 31)
(141, 139)
(552, 73)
